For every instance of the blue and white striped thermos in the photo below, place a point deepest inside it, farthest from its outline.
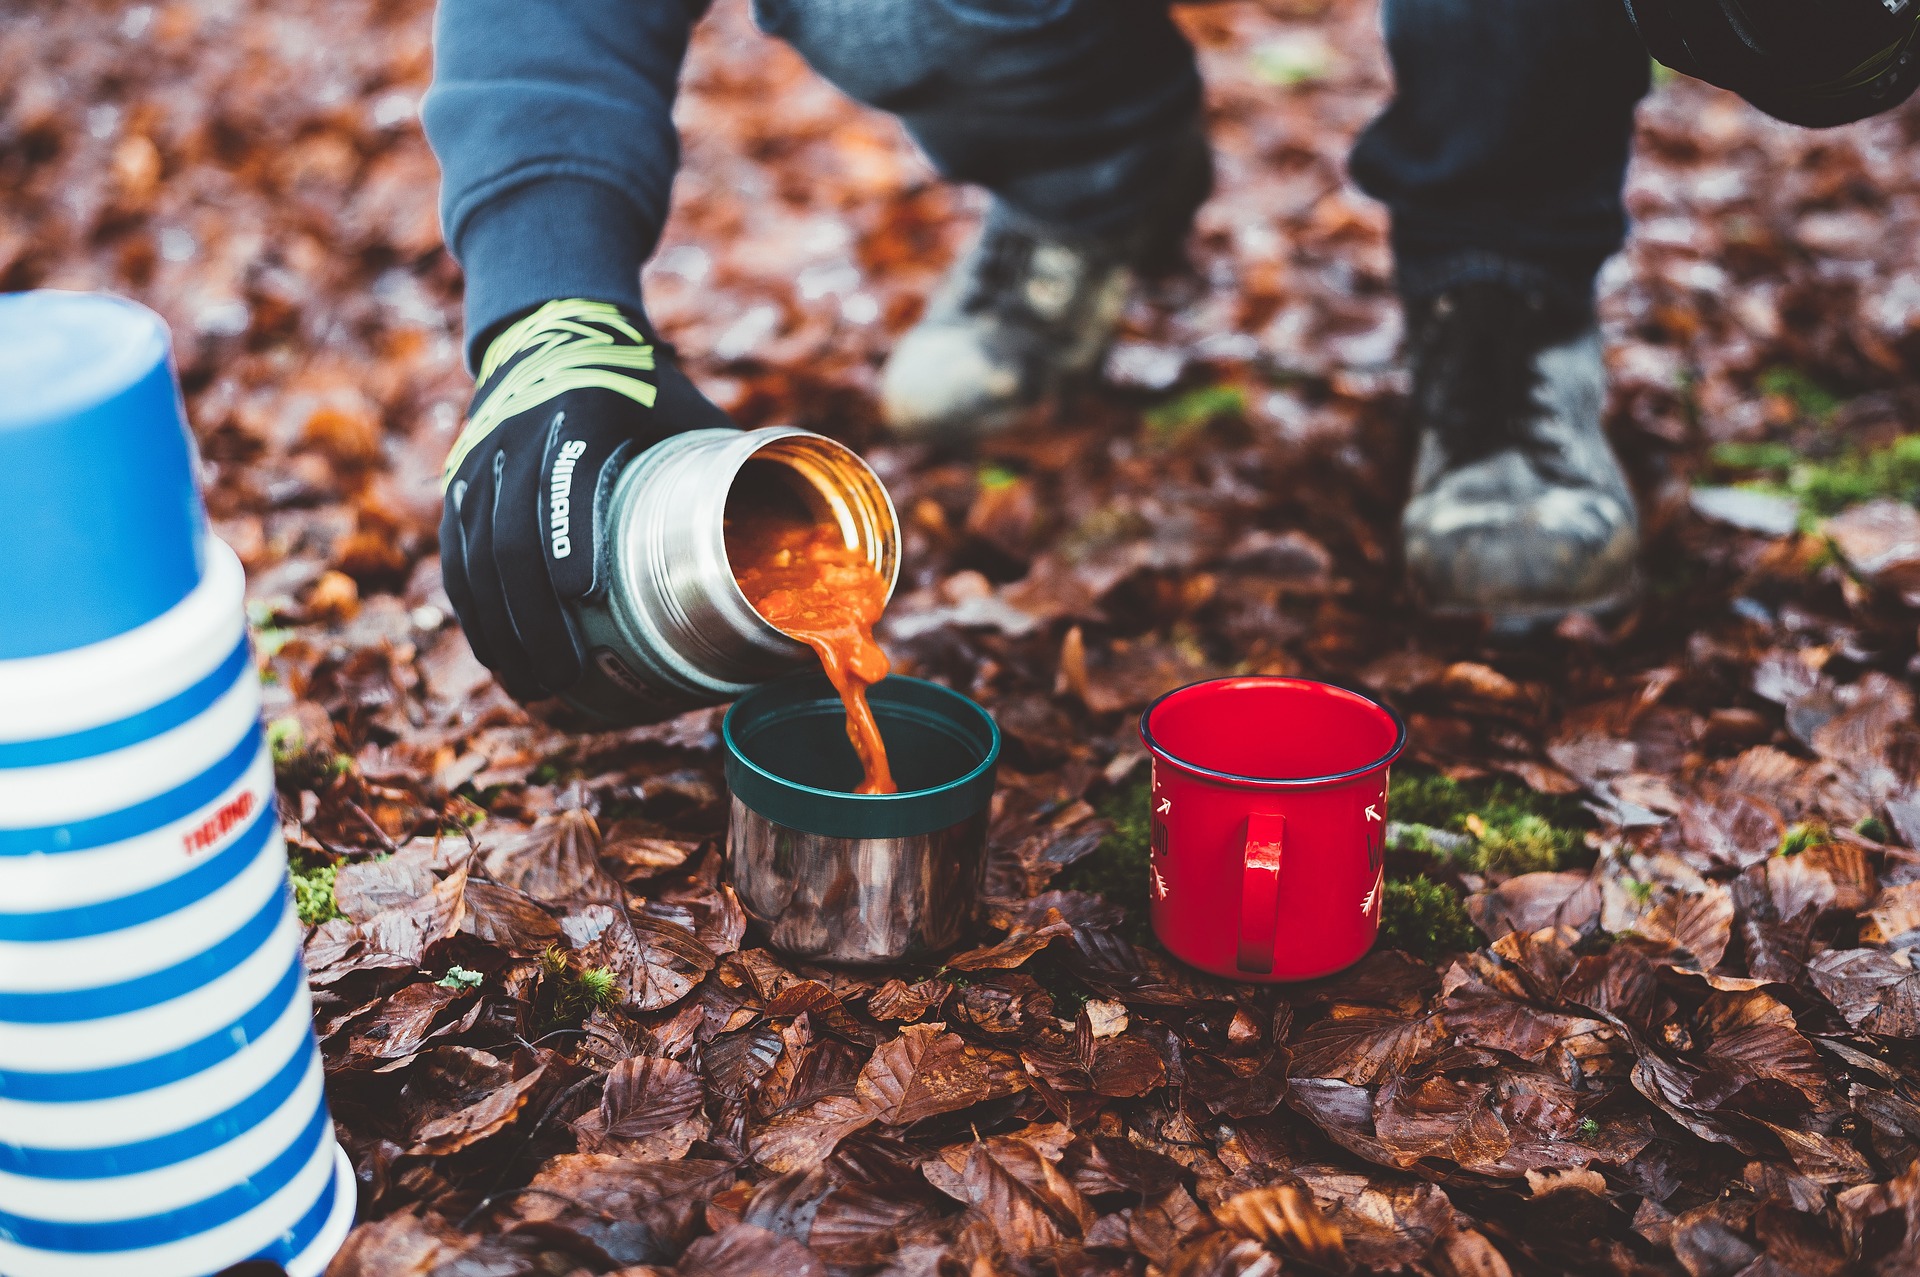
(161, 1112)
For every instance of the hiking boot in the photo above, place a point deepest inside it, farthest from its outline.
(1520, 512)
(1025, 313)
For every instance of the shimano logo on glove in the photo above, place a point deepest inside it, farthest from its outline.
(560, 497)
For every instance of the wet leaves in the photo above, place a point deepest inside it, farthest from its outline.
(556, 861)
(654, 963)
(499, 1091)
(650, 1109)
(614, 1209)
(923, 1073)
(1018, 1186)
(747, 1251)
(1285, 1218)
(927, 1071)
(1876, 990)
(1363, 1046)
(1682, 1037)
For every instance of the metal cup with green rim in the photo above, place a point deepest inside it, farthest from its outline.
(837, 876)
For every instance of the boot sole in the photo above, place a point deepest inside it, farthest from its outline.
(1526, 622)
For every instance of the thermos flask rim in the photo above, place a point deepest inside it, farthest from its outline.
(1275, 782)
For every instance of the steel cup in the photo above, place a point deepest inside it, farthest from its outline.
(835, 876)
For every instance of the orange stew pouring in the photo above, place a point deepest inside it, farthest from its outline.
(800, 575)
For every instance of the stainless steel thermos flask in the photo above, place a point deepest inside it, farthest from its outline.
(672, 631)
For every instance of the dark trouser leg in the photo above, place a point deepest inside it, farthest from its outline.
(1503, 152)
(1070, 111)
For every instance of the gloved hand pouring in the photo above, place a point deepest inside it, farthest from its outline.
(1501, 159)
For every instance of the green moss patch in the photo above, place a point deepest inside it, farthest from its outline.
(1803, 837)
(997, 478)
(1426, 919)
(458, 977)
(1118, 868)
(597, 986)
(1826, 486)
(1183, 415)
(1809, 398)
(313, 890)
(1509, 828)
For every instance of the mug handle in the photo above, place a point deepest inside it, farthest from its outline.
(1260, 892)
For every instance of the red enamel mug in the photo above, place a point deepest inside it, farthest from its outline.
(1269, 811)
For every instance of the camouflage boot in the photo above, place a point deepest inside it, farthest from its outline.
(1520, 513)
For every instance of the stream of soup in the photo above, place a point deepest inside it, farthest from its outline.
(799, 574)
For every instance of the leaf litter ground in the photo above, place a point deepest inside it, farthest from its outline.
(1656, 900)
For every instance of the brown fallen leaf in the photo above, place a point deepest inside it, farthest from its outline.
(620, 1210)
(1472, 682)
(649, 1110)
(654, 963)
(898, 1001)
(1385, 1221)
(1540, 1183)
(1223, 1255)
(1284, 1217)
(1696, 924)
(400, 1025)
(843, 1223)
(1004, 1007)
(506, 917)
(737, 1061)
(1752, 1033)
(810, 997)
(804, 1136)
(1881, 541)
(1155, 1229)
(1362, 1046)
(1518, 1028)
(1134, 671)
(556, 861)
(1021, 1191)
(494, 1109)
(1101, 1164)
(1105, 1019)
(1126, 1065)
(405, 931)
(712, 913)
(1440, 1117)
(1877, 990)
(1467, 1253)
(364, 888)
(746, 1251)
(401, 1245)
(1734, 830)
(928, 1071)
(1021, 944)
(640, 850)
(1894, 919)
(1536, 901)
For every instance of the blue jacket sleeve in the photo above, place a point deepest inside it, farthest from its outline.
(552, 121)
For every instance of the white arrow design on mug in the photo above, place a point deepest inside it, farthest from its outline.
(1379, 881)
(1371, 813)
(1166, 806)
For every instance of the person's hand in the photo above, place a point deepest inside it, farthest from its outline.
(566, 397)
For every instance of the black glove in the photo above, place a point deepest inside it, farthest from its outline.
(566, 397)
